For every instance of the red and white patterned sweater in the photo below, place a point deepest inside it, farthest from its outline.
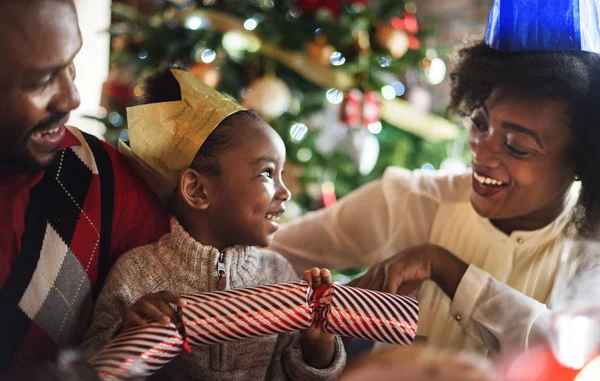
(58, 238)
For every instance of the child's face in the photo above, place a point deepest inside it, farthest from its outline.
(248, 196)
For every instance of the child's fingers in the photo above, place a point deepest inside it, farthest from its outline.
(170, 297)
(167, 310)
(132, 319)
(150, 311)
(315, 273)
(326, 276)
(307, 277)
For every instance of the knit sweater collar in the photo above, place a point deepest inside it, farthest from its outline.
(191, 253)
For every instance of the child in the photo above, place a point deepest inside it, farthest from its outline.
(219, 168)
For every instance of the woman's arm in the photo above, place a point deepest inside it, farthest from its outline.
(363, 228)
(501, 316)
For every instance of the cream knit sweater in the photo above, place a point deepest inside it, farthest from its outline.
(180, 264)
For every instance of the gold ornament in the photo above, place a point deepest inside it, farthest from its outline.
(396, 41)
(207, 73)
(269, 96)
(361, 39)
(319, 50)
(119, 43)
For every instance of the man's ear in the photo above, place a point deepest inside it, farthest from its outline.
(193, 189)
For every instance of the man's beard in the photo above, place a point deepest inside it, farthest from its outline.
(19, 159)
(24, 162)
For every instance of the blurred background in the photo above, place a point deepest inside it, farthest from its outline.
(352, 86)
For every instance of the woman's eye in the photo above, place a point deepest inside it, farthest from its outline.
(514, 151)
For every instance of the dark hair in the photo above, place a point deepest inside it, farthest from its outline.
(572, 76)
(162, 86)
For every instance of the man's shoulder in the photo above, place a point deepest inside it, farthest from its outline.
(88, 147)
(89, 150)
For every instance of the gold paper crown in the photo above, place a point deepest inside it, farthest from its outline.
(165, 137)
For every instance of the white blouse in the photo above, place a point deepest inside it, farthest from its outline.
(501, 300)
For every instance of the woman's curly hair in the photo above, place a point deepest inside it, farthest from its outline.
(572, 76)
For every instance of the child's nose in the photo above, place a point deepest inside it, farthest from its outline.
(283, 193)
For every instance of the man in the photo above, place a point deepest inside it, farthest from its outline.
(69, 204)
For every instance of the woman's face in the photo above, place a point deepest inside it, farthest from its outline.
(521, 158)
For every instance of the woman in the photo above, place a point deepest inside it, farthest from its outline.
(487, 242)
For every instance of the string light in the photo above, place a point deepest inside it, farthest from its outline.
(388, 92)
(208, 56)
(115, 119)
(304, 154)
(124, 135)
(337, 59)
(250, 24)
(334, 96)
(193, 23)
(298, 132)
(436, 72)
(399, 88)
(385, 61)
(375, 127)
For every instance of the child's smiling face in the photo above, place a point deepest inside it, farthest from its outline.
(248, 197)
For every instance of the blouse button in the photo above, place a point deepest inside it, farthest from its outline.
(458, 317)
(520, 240)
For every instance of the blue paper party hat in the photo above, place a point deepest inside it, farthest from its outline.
(544, 25)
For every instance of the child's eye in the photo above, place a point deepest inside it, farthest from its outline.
(268, 173)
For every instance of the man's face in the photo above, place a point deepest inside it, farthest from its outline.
(39, 40)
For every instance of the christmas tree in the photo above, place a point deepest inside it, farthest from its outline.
(329, 75)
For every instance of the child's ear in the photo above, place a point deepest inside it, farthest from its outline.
(193, 189)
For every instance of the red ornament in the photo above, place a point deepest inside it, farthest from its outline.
(116, 94)
(328, 197)
(118, 90)
(333, 6)
(397, 23)
(540, 364)
(122, 93)
(359, 109)
(408, 22)
(414, 43)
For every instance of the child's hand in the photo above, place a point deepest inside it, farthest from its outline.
(318, 346)
(153, 307)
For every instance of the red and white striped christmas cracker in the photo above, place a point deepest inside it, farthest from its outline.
(367, 314)
(138, 352)
(226, 316)
(244, 313)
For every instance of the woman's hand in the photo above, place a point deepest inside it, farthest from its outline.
(318, 346)
(153, 307)
(404, 272)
